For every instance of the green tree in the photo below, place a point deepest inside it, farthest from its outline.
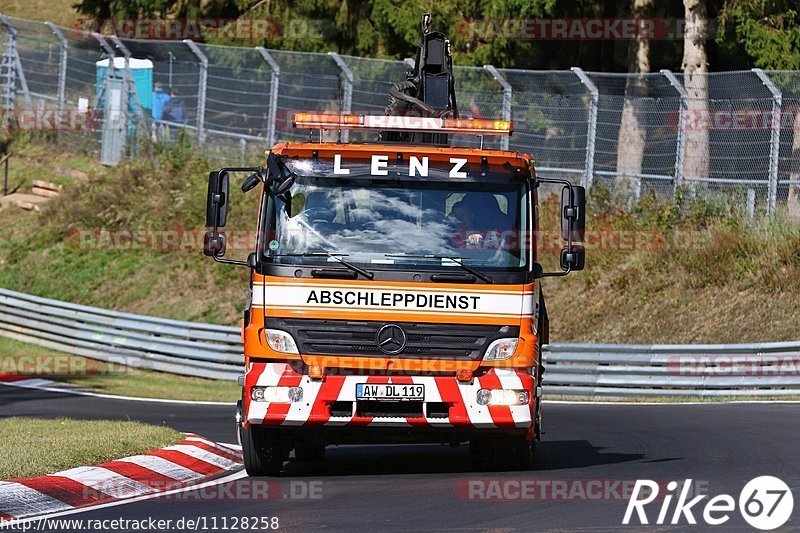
(161, 8)
(766, 32)
(763, 33)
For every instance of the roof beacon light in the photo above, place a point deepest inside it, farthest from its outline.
(333, 121)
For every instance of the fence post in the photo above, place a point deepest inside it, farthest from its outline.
(62, 65)
(774, 139)
(11, 51)
(201, 92)
(751, 202)
(110, 52)
(680, 149)
(507, 94)
(130, 85)
(274, 84)
(591, 134)
(113, 136)
(347, 98)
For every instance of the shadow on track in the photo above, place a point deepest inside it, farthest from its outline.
(561, 454)
(443, 459)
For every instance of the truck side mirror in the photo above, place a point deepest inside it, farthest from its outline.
(573, 213)
(574, 259)
(251, 182)
(214, 244)
(285, 185)
(217, 199)
(573, 229)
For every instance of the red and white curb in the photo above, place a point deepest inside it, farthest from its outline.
(190, 461)
(24, 381)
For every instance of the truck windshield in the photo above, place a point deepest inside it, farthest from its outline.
(395, 224)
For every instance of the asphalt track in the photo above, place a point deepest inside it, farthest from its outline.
(427, 487)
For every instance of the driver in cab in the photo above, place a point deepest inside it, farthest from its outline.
(478, 222)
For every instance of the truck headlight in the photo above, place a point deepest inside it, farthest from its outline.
(502, 397)
(280, 341)
(277, 394)
(501, 349)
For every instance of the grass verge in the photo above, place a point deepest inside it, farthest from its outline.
(59, 11)
(658, 270)
(96, 376)
(679, 271)
(33, 447)
(81, 246)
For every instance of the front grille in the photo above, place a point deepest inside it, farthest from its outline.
(430, 341)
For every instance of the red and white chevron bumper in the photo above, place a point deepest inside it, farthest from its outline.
(463, 411)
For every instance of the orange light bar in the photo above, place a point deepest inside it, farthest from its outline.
(332, 121)
(325, 120)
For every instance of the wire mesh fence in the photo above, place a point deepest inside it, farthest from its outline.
(727, 135)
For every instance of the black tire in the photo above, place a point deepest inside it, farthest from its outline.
(520, 453)
(480, 454)
(309, 451)
(495, 453)
(262, 452)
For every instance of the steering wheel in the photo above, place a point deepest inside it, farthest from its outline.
(302, 220)
(310, 214)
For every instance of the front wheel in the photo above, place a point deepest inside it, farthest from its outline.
(262, 452)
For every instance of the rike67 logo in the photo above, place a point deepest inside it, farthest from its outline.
(765, 503)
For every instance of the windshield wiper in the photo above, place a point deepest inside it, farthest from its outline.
(457, 260)
(335, 256)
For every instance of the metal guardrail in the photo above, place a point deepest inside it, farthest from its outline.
(572, 370)
(697, 370)
(187, 348)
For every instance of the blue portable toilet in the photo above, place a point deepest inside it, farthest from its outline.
(141, 72)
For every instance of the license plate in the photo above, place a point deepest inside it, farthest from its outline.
(389, 391)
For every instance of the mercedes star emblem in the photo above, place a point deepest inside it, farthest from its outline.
(391, 339)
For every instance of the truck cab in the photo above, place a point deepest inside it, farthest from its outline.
(395, 293)
(395, 297)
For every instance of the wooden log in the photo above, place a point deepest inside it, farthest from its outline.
(45, 193)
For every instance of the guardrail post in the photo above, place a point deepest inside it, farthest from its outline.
(274, 84)
(591, 133)
(507, 94)
(347, 97)
(62, 65)
(201, 91)
(11, 51)
(680, 149)
(774, 139)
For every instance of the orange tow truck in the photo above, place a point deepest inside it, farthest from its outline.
(395, 290)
